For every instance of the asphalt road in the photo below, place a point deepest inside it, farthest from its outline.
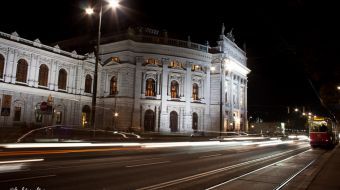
(189, 167)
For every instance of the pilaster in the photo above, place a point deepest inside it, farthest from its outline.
(9, 65)
(136, 120)
(164, 115)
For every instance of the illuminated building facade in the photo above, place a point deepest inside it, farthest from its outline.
(147, 82)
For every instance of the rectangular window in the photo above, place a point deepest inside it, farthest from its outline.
(17, 113)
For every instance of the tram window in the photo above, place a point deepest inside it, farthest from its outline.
(319, 128)
(323, 128)
(314, 129)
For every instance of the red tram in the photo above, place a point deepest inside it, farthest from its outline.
(323, 132)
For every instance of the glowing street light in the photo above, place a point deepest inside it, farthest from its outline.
(90, 11)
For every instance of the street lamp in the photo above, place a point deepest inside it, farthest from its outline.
(90, 11)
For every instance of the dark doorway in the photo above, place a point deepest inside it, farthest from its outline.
(149, 121)
(173, 121)
(194, 122)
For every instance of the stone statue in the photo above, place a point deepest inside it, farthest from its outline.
(223, 29)
(230, 35)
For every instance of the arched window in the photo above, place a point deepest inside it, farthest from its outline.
(88, 83)
(173, 121)
(174, 89)
(2, 65)
(194, 121)
(150, 87)
(86, 111)
(149, 120)
(22, 67)
(43, 75)
(62, 79)
(113, 86)
(195, 91)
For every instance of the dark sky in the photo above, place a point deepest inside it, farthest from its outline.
(287, 42)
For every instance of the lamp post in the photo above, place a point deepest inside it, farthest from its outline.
(90, 11)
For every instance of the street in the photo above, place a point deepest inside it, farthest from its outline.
(186, 167)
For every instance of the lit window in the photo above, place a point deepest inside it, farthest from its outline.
(195, 91)
(150, 87)
(151, 61)
(43, 75)
(86, 111)
(115, 59)
(112, 60)
(196, 68)
(113, 86)
(58, 116)
(22, 71)
(175, 64)
(174, 89)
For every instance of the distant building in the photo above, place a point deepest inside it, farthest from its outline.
(153, 83)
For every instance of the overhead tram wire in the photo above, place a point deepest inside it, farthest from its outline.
(319, 98)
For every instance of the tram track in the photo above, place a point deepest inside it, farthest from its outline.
(277, 186)
(178, 183)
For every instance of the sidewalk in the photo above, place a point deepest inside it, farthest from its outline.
(328, 176)
(324, 174)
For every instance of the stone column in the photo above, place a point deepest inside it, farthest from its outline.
(14, 67)
(231, 114)
(164, 115)
(53, 83)
(9, 65)
(238, 127)
(156, 119)
(33, 75)
(136, 120)
(142, 81)
(187, 94)
(207, 121)
(158, 84)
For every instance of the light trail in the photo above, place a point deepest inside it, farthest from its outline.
(21, 161)
(147, 164)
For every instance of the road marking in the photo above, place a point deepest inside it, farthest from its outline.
(204, 174)
(208, 156)
(20, 161)
(153, 163)
(27, 178)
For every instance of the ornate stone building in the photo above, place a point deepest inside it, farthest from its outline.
(147, 82)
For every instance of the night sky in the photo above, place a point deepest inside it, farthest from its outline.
(289, 44)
